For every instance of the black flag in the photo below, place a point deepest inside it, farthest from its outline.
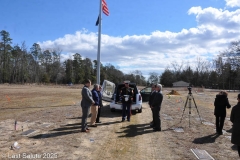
(97, 22)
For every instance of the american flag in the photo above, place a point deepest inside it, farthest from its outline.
(105, 8)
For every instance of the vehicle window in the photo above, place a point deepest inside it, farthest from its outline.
(148, 90)
(109, 89)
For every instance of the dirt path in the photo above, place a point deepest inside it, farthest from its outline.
(135, 140)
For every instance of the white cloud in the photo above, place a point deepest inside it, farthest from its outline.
(233, 3)
(152, 53)
(209, 17)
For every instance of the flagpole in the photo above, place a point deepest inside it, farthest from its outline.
(99, 42)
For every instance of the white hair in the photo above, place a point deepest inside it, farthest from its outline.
(159, 86)
(96, 86)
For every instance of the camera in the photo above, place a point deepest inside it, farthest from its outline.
(189, 89)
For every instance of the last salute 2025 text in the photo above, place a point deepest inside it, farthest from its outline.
(31, 156)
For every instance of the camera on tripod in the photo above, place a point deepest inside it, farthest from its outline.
(189, 89)
(190, 98)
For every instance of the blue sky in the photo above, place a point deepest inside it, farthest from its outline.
(137, 35)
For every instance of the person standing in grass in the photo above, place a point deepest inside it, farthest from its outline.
(220, 103)
(127, 98)
(152, 94)
(156, 107)
(86, 103)
(235, 119)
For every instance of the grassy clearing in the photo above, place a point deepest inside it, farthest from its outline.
(19, 99)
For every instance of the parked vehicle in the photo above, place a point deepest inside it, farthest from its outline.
(111, 93)
(145, 93)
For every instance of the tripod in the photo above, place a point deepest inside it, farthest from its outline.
(189, 100)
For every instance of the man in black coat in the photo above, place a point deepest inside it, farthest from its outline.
(152, 94)
(156, 106)
(235, 119)
(220, 103)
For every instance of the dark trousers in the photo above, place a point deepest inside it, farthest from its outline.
(98, 114)
(85, 112)
(156, 117)
(128, 107)
(152, 117)
(239, 151)
(219, 123)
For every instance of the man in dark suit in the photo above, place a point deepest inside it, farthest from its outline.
(86, 103)
(156, 106)
(127, 97)
(235, 119)
(152, 94)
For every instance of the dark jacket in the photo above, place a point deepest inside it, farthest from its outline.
(95, 97)
(152, 94)
(100, 98)
(221, 103)
(235, 119)
(157, 101)
(126, 91)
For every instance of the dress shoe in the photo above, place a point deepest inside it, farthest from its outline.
(157, 129)
(220, 133)
(123, 120)
(151, 125)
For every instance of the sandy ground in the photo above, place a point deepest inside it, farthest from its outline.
(55, 116)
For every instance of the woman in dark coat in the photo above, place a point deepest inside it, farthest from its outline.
(235, 119)
(220, 103)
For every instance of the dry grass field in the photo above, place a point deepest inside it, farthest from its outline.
(16, 100)
(53, 113)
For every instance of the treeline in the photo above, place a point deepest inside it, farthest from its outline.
(20, 65)
(37, 65)
(220, 73)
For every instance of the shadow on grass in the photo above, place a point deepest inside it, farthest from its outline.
(139, 129)
(135, 130)
(61, 131)
(206, 139)
(108, 123)
(66, 129)
(107, 113)
(75, 118)
(54, 134)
